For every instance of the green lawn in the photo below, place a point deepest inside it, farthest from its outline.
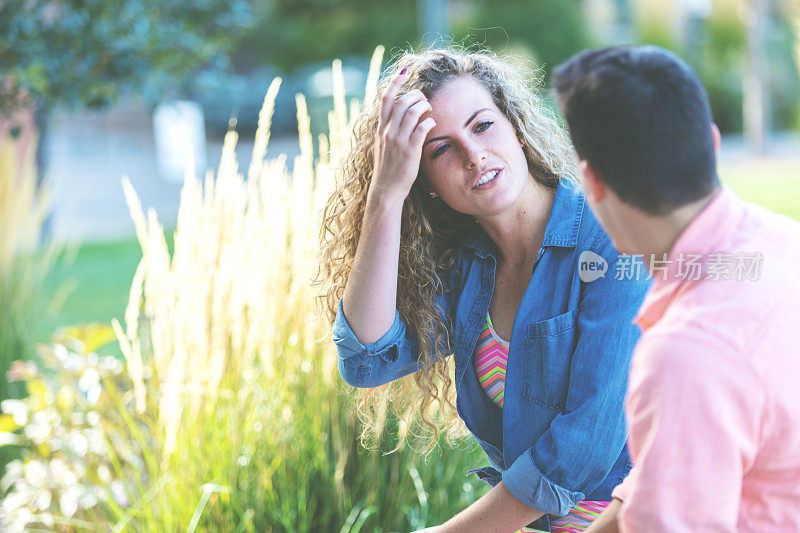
(97, 280)
(101, 273)
(774, 184)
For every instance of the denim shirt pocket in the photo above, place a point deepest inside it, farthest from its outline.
(548, 353)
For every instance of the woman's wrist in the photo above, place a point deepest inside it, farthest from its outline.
(386, 199)
(498, 509)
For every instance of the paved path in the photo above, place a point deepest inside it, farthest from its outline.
(87, 155)
(89, 152)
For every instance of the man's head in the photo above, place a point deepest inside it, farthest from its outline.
(641, 125)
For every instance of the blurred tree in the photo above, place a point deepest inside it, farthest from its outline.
(551, 30)
(756, 77)
(787, 105)
(83, 52)
(728, 60)
(292, 33)
(720, 65)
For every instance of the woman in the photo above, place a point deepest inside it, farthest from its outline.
(459, 229)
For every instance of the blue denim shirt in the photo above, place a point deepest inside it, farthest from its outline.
(560, 437)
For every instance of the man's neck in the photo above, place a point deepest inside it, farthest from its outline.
(654, 236)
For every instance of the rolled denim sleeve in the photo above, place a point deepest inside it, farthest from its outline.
(391, 357)
(530, 486)
(584, 441)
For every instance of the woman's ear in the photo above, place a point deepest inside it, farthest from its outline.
(429, 190)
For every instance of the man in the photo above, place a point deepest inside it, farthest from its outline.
(713, 402)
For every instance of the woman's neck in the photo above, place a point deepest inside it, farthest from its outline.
(518, 232)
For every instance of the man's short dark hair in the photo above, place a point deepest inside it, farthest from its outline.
(641, 118)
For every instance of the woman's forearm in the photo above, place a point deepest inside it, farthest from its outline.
(497, 511)
(370, 296)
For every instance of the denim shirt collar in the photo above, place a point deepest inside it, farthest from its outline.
(562, 226)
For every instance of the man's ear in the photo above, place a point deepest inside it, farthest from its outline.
(717, 136)
(592, 183)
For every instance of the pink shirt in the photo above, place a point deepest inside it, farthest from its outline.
(713, 401)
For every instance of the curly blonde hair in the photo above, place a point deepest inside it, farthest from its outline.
(430, 234)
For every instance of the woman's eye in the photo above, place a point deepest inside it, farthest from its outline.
(483, 126)
(439, 150)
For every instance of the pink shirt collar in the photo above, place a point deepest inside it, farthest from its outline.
(704, 235)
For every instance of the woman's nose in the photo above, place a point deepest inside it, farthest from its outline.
(474, 154)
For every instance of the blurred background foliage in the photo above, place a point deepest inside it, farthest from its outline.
(281, 36)
(549, 31)
(712, 39)
(224, 53)
(84, 52)
(715, 44)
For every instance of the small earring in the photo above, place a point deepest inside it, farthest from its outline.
(433, 194)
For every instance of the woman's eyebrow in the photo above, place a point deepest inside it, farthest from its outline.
(470, 119)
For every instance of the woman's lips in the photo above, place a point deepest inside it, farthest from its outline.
(491, 183)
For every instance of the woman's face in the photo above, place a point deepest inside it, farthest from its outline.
(472, 157)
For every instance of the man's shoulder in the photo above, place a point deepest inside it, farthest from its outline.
(743, 324)
(673, 342)
(773, 237)
(668, 362)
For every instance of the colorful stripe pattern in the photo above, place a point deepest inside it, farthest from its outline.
(579, 519)
(490, 360)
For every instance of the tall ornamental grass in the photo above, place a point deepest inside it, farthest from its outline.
(229, 413)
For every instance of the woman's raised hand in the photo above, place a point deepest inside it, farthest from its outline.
(401, 133)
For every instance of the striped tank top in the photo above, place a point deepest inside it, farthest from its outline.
(490, 361)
